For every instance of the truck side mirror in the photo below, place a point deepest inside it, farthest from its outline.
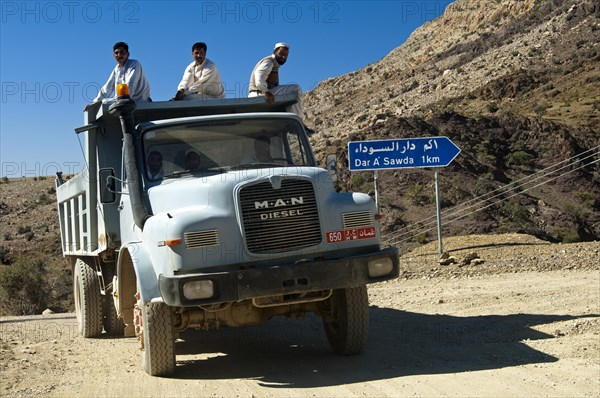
(59, 179)
(108, 191)
(331, 165)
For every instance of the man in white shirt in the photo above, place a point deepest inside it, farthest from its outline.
(201, 78)
(264, 80)
(128, 71)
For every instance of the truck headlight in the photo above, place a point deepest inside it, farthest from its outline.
(380, 267)
(198, 290)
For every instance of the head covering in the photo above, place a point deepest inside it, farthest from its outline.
(155, 153)
(191, 151)
(281, 44)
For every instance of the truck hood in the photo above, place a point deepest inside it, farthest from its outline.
(216, 190)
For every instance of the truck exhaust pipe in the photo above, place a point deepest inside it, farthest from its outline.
(124, 107)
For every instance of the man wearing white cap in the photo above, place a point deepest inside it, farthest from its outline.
(264, 80)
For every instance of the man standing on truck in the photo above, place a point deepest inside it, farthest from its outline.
(128, 71)
(201, 78)
(264, 80)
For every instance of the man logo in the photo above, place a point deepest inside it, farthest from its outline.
(279, 203)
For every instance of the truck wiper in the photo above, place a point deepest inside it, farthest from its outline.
(179, 173)
(255, 165)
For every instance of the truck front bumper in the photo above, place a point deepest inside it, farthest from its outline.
(281, 280)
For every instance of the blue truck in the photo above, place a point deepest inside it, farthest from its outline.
(213, 213)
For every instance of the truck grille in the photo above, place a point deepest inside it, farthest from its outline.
(280, 220)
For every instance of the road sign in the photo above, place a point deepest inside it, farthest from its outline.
(401, 153)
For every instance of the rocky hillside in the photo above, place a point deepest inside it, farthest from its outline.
(515, 84)
(33, 273)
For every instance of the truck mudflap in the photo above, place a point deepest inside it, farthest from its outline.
(280, 280)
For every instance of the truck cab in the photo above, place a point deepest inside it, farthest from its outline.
(213, 213)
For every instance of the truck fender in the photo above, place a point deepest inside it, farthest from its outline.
(134, 268)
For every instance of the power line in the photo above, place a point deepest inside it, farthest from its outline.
(410, 235)
(520, 185)
(504, 189)
(490, 195)
(493, 194)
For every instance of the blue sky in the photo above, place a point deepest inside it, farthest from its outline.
(54, 56)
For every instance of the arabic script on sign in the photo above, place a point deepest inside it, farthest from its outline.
(395, 147)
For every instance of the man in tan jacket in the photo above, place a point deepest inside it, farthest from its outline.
(264, 80)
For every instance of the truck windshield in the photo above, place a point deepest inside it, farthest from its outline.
(219, 146)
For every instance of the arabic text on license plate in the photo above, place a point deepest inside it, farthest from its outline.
(350, 234)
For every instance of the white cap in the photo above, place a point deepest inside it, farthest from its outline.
(281, 44)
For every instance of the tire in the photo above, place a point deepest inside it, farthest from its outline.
(346, 320)
(159, 348)
(113, 325)
(88, 300)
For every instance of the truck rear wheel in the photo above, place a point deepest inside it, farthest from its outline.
(88, 300)
(157, 340)
(346, 320)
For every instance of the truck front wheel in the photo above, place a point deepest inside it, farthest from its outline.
(88, 300)
(346, 320)
(157, 339)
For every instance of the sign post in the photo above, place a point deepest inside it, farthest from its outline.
(404, 153)
(438, 212)
(376, 183)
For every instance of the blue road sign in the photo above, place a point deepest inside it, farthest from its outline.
(401, 153)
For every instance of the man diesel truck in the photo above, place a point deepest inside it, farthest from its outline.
(213, 213)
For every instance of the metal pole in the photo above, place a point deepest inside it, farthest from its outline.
(376, 183)
(438, 212)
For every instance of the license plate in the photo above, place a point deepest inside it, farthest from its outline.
(345, 235)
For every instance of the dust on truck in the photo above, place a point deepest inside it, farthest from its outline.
(233, 240)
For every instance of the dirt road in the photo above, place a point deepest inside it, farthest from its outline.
(524, 334)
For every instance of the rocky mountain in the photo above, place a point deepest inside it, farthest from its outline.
(516, 85)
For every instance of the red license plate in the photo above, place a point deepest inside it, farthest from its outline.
(344, 235)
